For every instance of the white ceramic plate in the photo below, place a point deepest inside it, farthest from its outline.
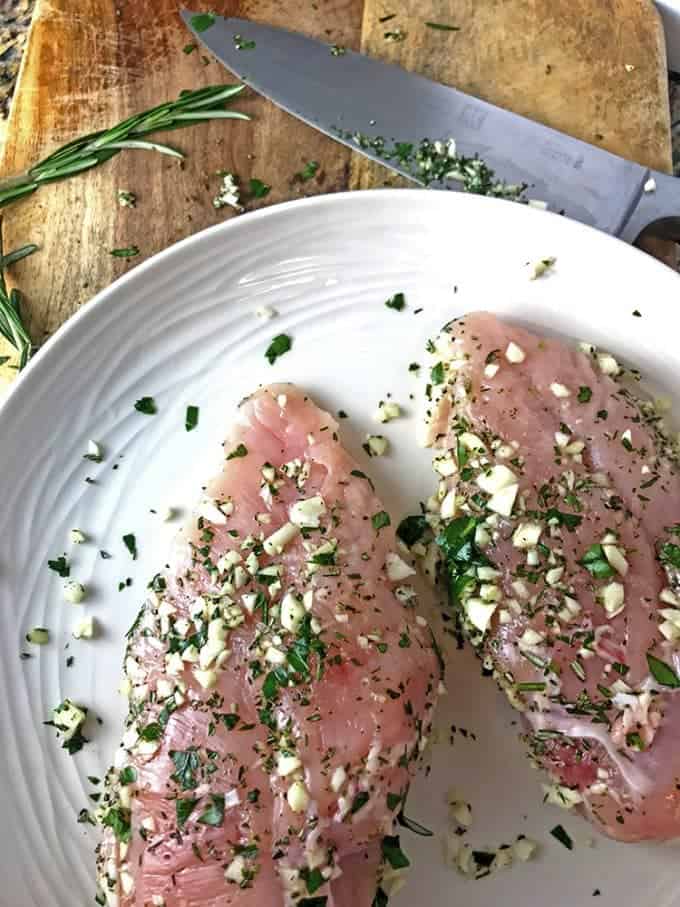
(182, 329)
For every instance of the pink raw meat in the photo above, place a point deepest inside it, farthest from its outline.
(566, 488)
(281, 686)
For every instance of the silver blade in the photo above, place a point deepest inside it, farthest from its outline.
(373, 107)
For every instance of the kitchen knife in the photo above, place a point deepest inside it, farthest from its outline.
(385, 112)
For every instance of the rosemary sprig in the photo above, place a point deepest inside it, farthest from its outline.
(11, 324)
(91, 150)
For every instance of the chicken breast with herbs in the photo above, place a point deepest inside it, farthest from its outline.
(555, 530)
(281, 687)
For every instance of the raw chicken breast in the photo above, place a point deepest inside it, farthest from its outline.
(281, 687)
(556, 525)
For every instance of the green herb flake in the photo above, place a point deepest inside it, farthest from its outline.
(184, 806)
(118, 820)
(360, 800)
(440, 26)
(201, 22)
(662, 672)
(337, 50)
(187, 763)
(308, 172)
(584, 395)
(214, 814)
(60, 566)
(130, 543)
(396, 302)
(670, 555)
(241, 43)
(258, 189)
(393, 854)
(559, 833)
(313, 879)
(393, 800)
(412, 529)
(147, 406)
(128, 775)
(240, 451)
(151, 732)
(595, 562)
(127, 252)
(437, 373)
(280, 344)
(189, 48)
(380, 520)
(191, 418)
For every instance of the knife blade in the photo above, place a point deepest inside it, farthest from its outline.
(396, 117)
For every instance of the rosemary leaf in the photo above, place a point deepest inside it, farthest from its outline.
(11, 323)
(98, 147)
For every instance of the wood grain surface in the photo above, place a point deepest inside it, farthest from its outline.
(596, 70)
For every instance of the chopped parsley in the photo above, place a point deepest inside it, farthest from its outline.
(147, 406)
(313, 879)
(393, 854)
(258, 189)
(460, 555)
(396, 302)
(240, 451)
(118, 820)
(214, 814)
(202, 21)
(241, 43)
(151, 732)
(308, 172)
(191, 419)
(380, 520)
(187, 763)
(359, 801)
(130, 543)
(279, 345)
(412, 529)
(128, 775)
(670, 555)
(60, 566)
(561, 835)
(189, 48)
(662, 672)
(584, 395)
(437, 373)
(127, 252)
(595, 562)
(183, 809)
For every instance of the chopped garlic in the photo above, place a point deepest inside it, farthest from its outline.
(266, 313)
(76, 537)
(377, 445)
(495, 479)
(74, 592)
(308, 512)
(527, 535)
(539, 268)
(479, 613)
(558, 795)
(523, 849)
(207, 679)
(229, 193)
(338, 779)
(514, 353)
(503, 501)
(559, 390)
(613, 598)
(298, 797)
(397, 569)
(287, 764)
(279, 540)
(292, 612)
(608, 365)
(84, 629)
(387, 412)
(616, 559)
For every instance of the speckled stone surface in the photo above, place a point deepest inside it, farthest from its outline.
(15, 19)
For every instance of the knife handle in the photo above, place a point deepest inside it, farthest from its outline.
(657, 209)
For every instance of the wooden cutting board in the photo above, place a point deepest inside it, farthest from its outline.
(594, 69)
